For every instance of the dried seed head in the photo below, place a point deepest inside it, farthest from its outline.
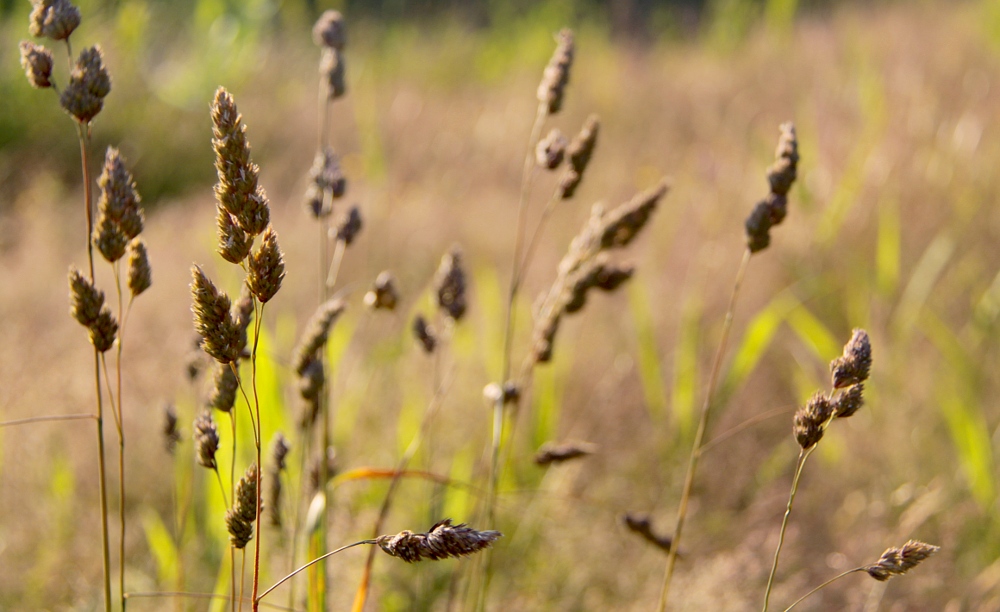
(85, 299)
(119, 200)
(311, 382)
(279, 451)
(104, 330)
(772, 209)
(224, 388)
(109, 239)
(89, 84)
(810, 420)
(444, 540)
(642, 525)
(849, 401)
(326, 177)
(450, 285)
(350, 226)
(37, 63)
(383, 293)
(317, 331)
(171, 432)
(140, 275)
(898, 561)
(546, 327)
(424, 333)
(579, 151)
(624, 223)
(855, 364)
(266, 268)
(240, 518)
(206, 440)
(550, 150)
(55, 19)
(552, 452)
(329, 31)
(556, 76)
(237, 191)
(221, 337)
(234, 243)
(332, 69)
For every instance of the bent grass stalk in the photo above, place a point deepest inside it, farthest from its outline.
(803, 456)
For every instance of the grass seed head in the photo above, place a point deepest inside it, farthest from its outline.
(424, 333)
(140, 275)
(237, 191)
(171, 430)
(104, 330)
(550, 150)
(55, 19)
(234, 243)
(772, 209)
(317, 331)
(329, 30)
(449, 284)
(206, 440)
(642, 525)
(621, 225)
(89, 84)
(552, 89)
(579, 151)
(444, 540)
(898, 561)
(333, 70)
(383, 294)
(855, 364)
(37, 63)
(350, 226)
(552, 452)
(266, 267)
(221, 337)
(224, 388)
(849, 401)
(119, 199)
(810, 420)
(86, 300)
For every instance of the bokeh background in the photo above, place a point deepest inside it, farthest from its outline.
(893, 226)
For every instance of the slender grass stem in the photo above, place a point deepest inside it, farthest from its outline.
(122, 317)
(824, 585)
(745, 425)
(48, 419)
(232, 494)
(700, 434)
(803, 456)
(259, 434)
(310, 564)
(188, 595)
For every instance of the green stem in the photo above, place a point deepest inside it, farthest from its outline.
(700, 434)
(824, 585)
(310, 564)
(260, 468)
(803, 455)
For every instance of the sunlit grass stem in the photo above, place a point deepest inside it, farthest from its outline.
(700, 433)
(803, 456)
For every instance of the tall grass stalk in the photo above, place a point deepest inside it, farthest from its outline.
(803, 456)
(696, 448)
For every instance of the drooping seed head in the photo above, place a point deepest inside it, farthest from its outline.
(772, 209)
(552, 89)
(221, 337)
(86, 300)
(266, 267)
(551, 149)
(450, 285)
(898, 561)
(89, 84)
(206, 440)
(642, 525)
(140, 275)
(329, 30)
(552, 452)
(856, 362)
(316, 333)
(37, 63)
(311, 381)
(383, 294)
(424, 333)
(444, 540)
(579, 151)
(621, 225)
(224, 388)
(55, 19)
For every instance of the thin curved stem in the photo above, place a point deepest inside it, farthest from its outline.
(700, 434)
(824, 585)
(310, 564)
(803, 456)
(185, 594)
(47, 419)
(747, 424)
(260, 467)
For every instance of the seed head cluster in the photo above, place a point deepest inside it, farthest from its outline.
(898, 561)
(444, 540)
(240, 518)
(89, 84)
(449, 285)
(772, 209)
(552, 89)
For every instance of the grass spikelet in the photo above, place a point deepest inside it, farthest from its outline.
(856, 362)
(86, 300)
(140, 275)
(171, 429)
(772, 209)
(237, 191)
(89, 84)
(550, 150)
(221, 337)
(579, 152)
(556, 76)
(552, 452)
(449, 285)
(350, 226)
(37, 63)
(240, 518)
(224, 388)
(424, 333)
(898, 561)
(279, 451)
(266, 268)
(55, 19)
(316, 333)
(810, 420)
(383, 294)
(206, 440)
(444, 540)
(642, 525)
(104, 330)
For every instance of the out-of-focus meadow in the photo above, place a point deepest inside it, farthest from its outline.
(893, 226)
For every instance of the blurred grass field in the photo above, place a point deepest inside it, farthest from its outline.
(893, 226)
